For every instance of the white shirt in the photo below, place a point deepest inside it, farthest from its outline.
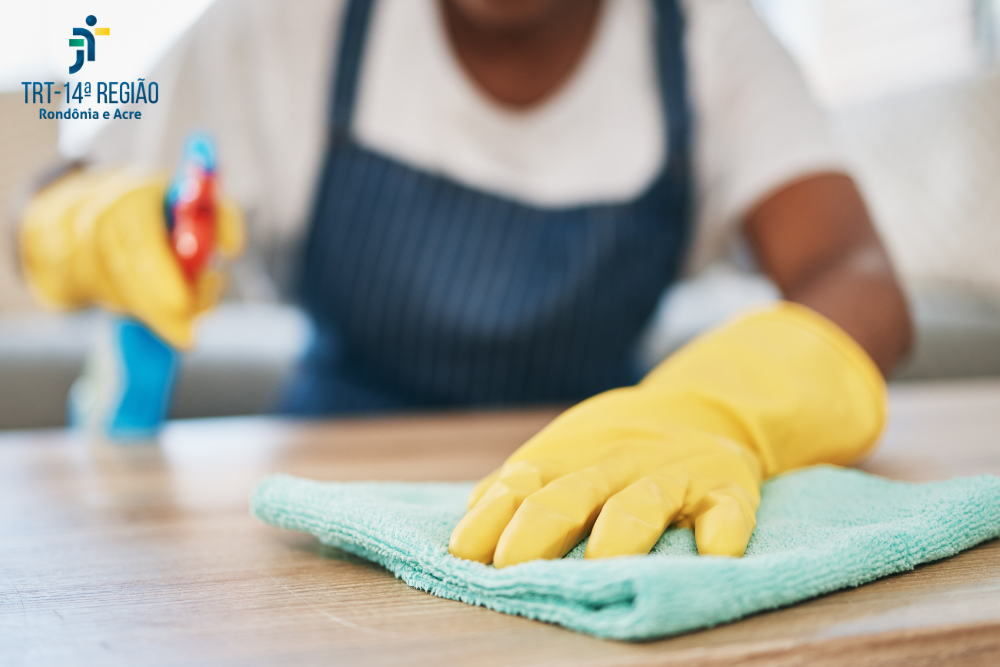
(257, 73)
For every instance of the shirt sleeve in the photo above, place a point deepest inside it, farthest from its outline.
(255, 75)
(757, 127)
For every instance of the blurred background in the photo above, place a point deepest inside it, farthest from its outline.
(912, 87)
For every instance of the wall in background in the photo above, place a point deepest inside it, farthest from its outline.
(856, 51)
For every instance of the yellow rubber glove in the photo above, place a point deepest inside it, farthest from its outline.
(771, 391)
(100, 238)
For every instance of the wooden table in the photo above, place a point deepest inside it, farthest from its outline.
(147, 555)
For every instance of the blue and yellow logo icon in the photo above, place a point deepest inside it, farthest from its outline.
(88, 41)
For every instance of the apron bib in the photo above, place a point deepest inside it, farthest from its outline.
(428, 293)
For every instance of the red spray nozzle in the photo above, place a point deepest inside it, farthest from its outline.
(191, 208)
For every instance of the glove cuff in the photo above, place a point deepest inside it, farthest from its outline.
(839, 340)
(783, 381)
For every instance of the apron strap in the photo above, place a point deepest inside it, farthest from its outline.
(354, 28)
(673, 80)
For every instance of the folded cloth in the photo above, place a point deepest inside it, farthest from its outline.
(818, 530)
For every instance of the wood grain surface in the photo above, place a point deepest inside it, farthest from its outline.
(146, 555)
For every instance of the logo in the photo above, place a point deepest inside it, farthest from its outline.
(88, 41)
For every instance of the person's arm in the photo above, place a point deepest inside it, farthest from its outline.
(815, 239)
(690, 445)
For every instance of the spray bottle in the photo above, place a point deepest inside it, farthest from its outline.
(128, 379)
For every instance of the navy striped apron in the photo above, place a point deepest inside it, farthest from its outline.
(428, 293)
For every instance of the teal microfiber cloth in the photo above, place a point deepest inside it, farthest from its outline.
(818, 530)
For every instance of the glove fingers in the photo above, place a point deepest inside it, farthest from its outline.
(230, 227)
(476, 535)
(482, 487)
(633, 520)
(132, 241)
(135, 257)
(208, 290)
(725, 520)
(552, 521)
(87, 269)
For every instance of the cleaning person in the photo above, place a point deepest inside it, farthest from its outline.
(480, 202)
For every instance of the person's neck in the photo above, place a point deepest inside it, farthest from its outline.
(519, 66)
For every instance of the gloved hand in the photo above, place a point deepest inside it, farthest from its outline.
(100, 238)
(690, 445)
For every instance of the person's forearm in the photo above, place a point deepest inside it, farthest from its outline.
(860, 293)
(815, 239)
